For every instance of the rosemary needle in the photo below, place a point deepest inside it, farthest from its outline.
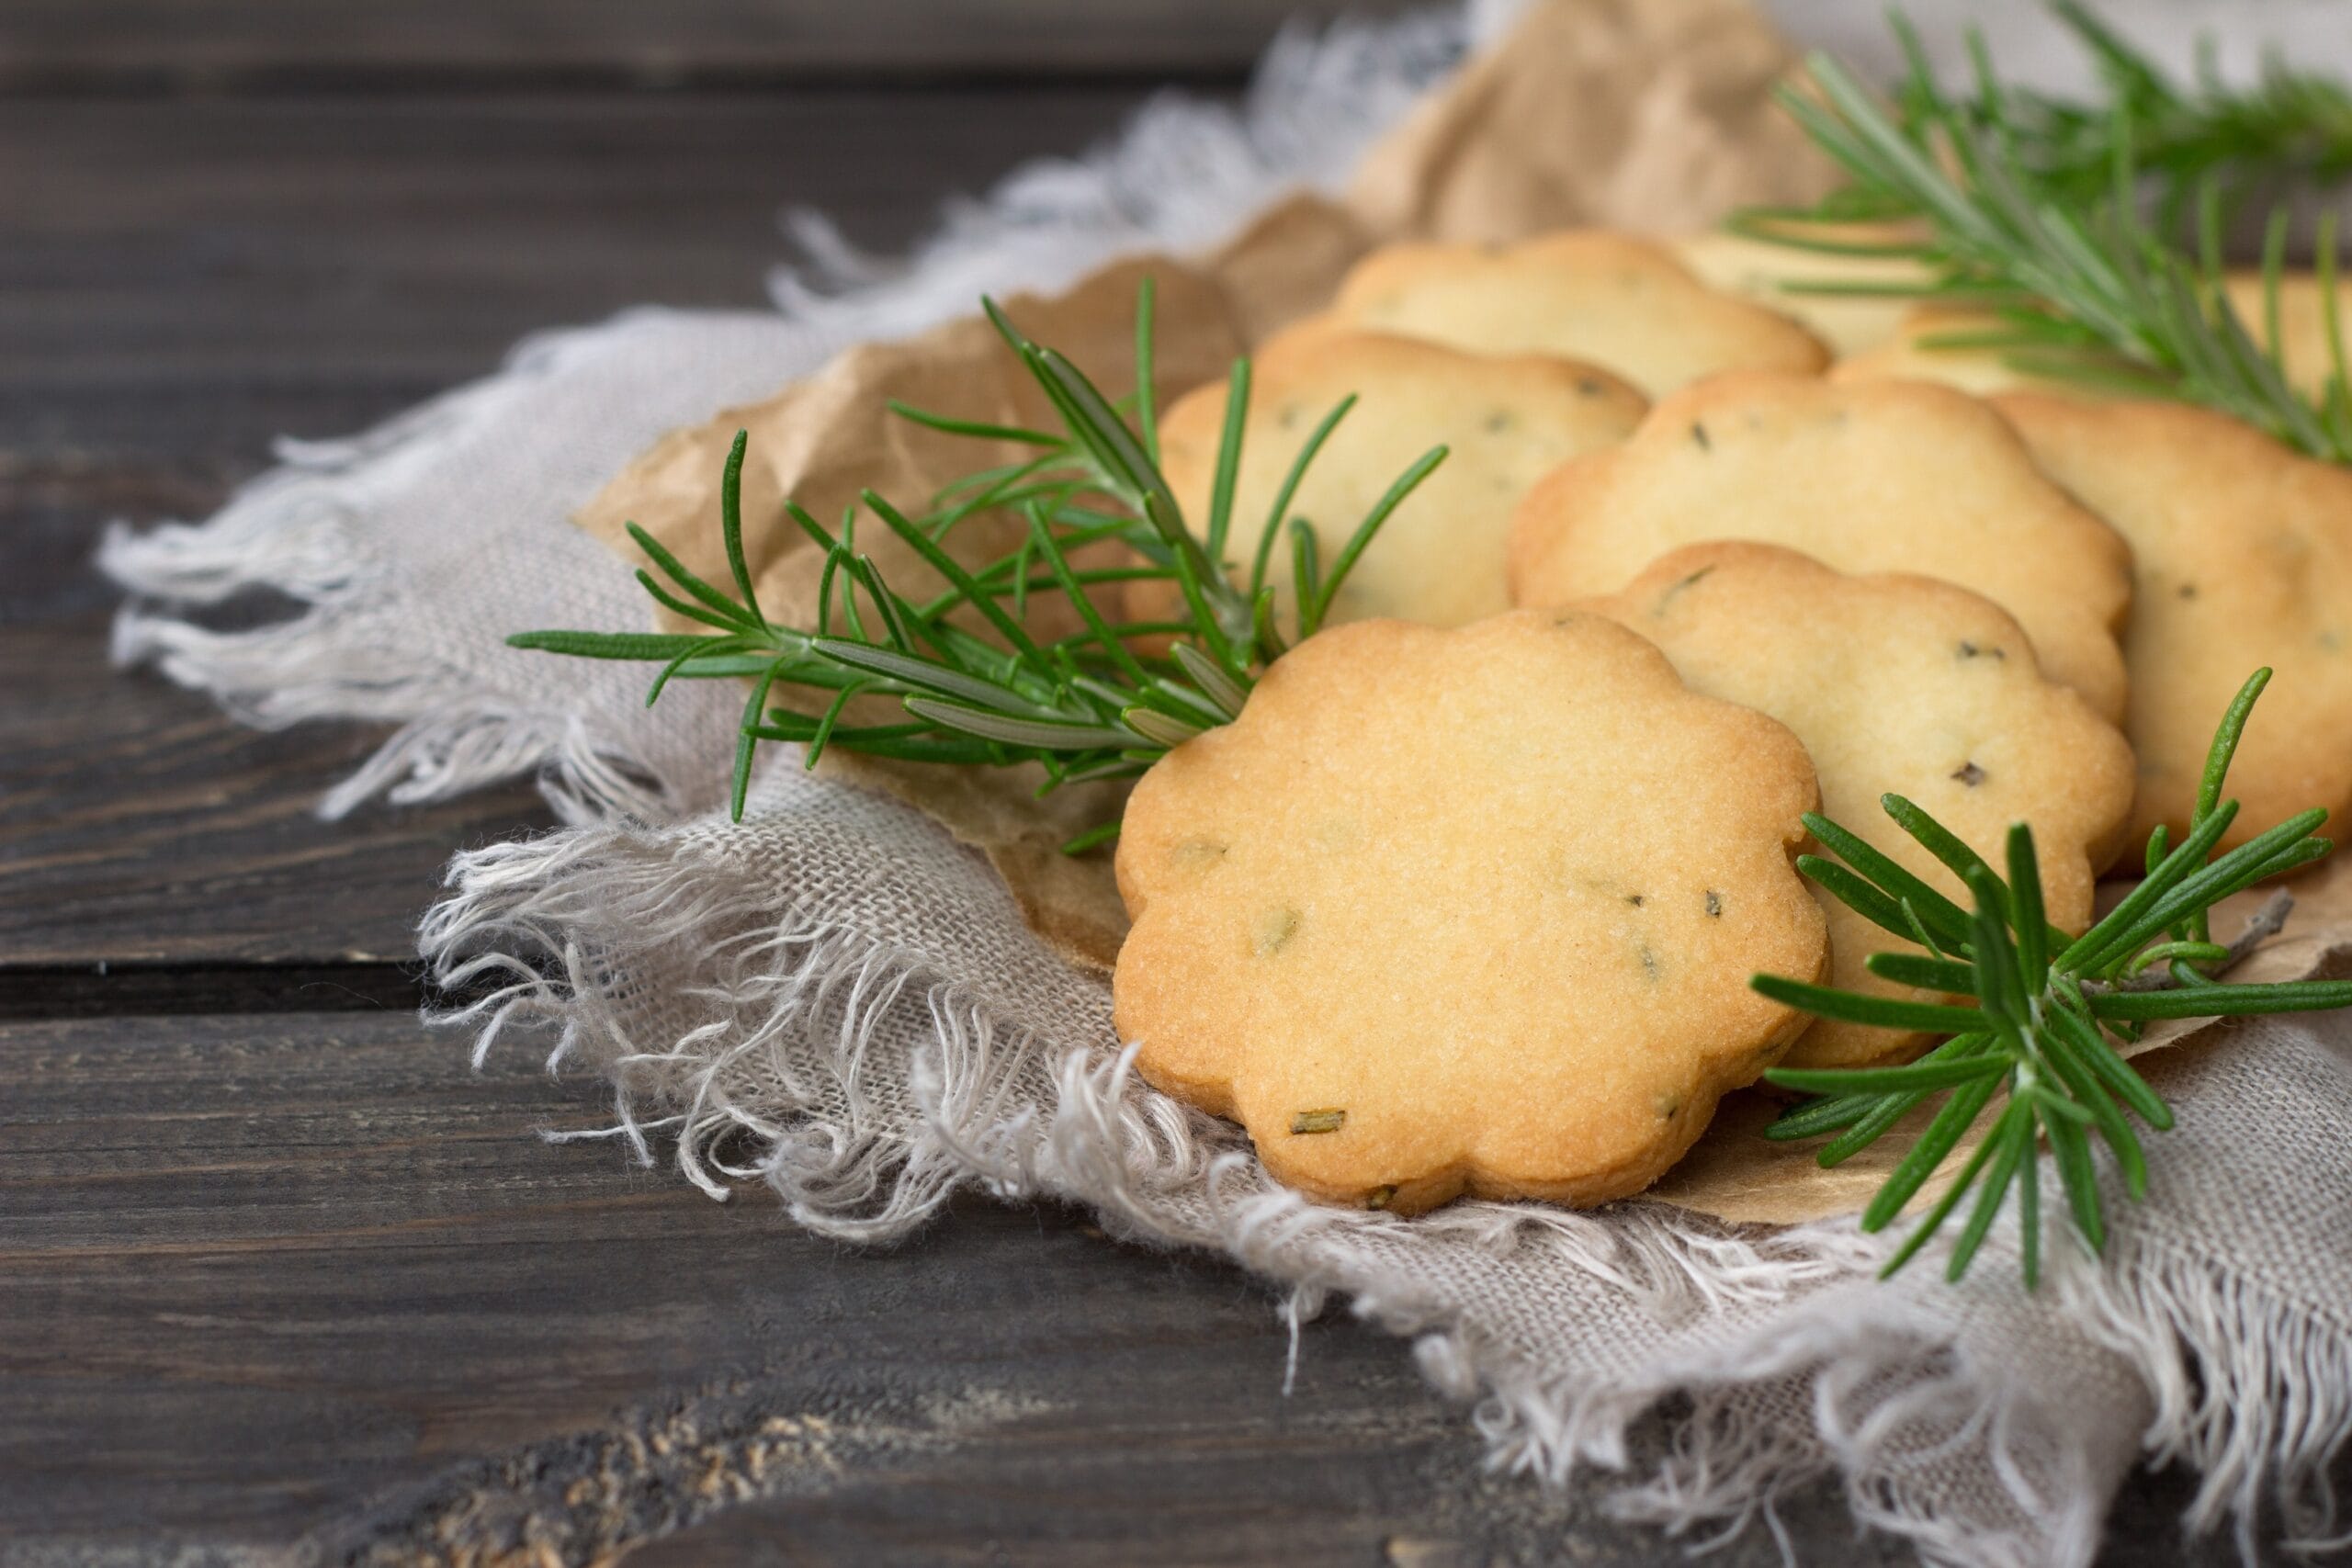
(2059, 221)
(1096, 706)
(2040, 1012)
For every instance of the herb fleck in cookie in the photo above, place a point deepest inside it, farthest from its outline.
(1439, 557)
(1587, 294)
(2243, 554)
(1898, 685)
(1467, 911)
(1868, 476)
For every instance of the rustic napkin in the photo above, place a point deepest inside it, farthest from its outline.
(843, 999)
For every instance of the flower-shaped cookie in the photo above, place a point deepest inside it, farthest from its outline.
(1467, 911)
(1866, 476)
(2242, 558)
(1898, 685)
(1589, 294)
(1439, 558)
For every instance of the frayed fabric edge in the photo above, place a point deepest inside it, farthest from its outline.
(2252, 1390)
(302, 531)
(550, 933)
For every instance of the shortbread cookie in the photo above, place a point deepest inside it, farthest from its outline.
(1868, 476)
(1586, 294)
(1896, 684)
(2303, 347)
(1762, 271)
(2243, 555)
(1439, 558)
(1467, 911)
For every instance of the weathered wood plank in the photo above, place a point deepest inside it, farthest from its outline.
(179, 282)
(248, 45)
(266, 1279)
(116, 989)
(139, 825)
(189, 280)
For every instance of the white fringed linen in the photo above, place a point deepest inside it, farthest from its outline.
(836, 999)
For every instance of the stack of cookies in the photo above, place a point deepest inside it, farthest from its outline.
(1468, 898)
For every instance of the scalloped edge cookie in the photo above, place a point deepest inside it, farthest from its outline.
(1863, 476)
(1468, 911)
(1904, 684)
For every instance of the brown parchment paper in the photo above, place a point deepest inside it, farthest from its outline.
(1649, 115)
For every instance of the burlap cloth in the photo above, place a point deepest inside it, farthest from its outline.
(843, 998)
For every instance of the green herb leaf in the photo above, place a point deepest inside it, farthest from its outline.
(2039, 1026)
(1884, 1012)
(2061, 219)
(979, 689)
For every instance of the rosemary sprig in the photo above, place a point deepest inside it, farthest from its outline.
(2041, 1005)
(2033, 212)
(972, 684)
(2286, 127)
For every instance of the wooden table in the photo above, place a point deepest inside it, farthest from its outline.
(280, 1279)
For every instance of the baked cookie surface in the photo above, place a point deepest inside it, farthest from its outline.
(1866, 476)
(1507, 421)
(1895, 685)
(1586, 294)
(2243, 553)
(1469, 911)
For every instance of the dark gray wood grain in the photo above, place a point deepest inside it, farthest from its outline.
(118, 46)
(269, 1277)
(193, 279)
(267, 1281)
(140, 826)
(182, 281)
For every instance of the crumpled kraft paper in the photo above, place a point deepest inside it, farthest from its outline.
(1649, 115)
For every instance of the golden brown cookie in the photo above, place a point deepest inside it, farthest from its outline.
(1440, 557)
(1762, 271)
(2244, 559)
(1467, 911)
(1585, 294)
(1866, 475)
(1896, 684)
